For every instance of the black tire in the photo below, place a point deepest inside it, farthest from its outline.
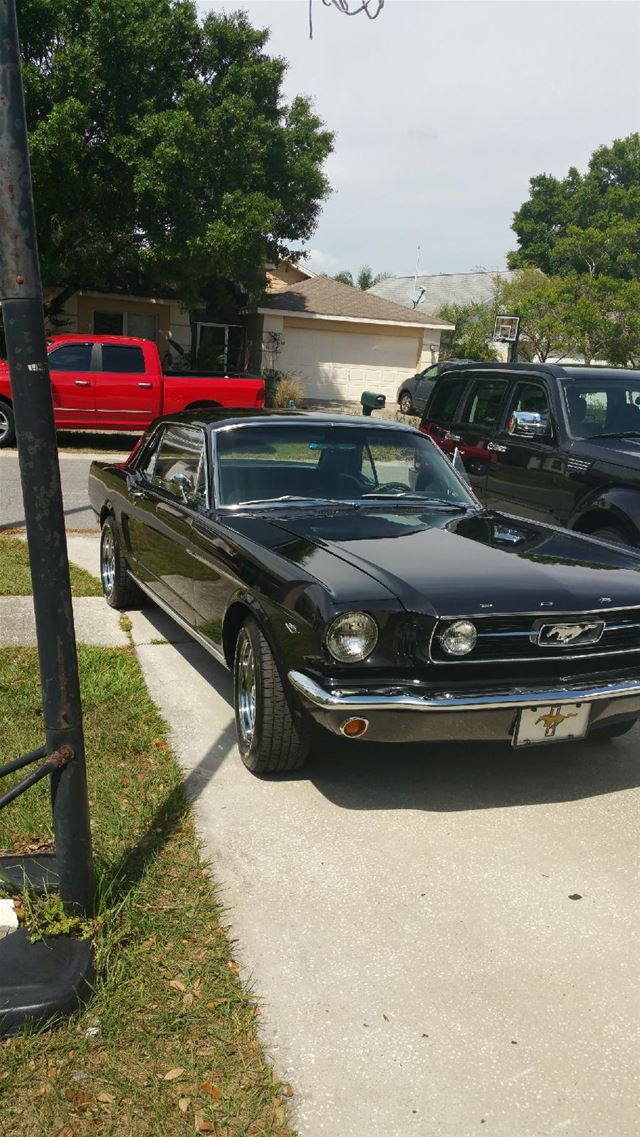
(405, 403)
(119, 589)
(270, 739)
(7, 425)
(615, 730)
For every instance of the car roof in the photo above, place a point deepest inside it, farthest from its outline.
(490, 368)
(218, 418)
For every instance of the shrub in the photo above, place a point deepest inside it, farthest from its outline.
(286, 390)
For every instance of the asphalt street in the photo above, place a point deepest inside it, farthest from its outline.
(74, 468)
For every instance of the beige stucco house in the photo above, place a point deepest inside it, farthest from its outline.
(338, 340)
(100, 313)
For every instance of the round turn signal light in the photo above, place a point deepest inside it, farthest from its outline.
(354, 728)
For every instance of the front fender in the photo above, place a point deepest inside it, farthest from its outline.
(617, 505)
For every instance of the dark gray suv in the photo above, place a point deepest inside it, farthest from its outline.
(414, 392)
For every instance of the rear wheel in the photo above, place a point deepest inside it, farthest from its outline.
(615, 730)
(405, 403)
(119, 589)
(270, 739)
(7, 425)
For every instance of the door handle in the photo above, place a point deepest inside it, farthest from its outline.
(497, 446)
(82, 382)
(449, 437)
(146, 386)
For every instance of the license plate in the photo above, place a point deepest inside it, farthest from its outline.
(551, 722)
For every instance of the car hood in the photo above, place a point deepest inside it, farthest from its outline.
(484, 562)
(613, 452)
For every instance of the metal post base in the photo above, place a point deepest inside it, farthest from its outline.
(42, 981)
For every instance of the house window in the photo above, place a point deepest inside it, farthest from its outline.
(219, 347)
(126, 324)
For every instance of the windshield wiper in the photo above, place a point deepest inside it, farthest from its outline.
(417, 499)
(616, 434)
(288, 497)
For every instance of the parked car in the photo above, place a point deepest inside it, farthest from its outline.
(348, 576)
(117, 383)
(414, 392)
(555, 444)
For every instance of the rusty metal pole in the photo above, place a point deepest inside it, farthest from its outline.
(21, 296)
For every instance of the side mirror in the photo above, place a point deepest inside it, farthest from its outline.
(529, 424)
(369, 402)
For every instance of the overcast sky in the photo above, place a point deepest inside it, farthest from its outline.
(443, 111)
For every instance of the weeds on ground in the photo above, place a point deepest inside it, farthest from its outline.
(15, 578)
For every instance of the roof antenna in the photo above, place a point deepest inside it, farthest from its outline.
(415, 281)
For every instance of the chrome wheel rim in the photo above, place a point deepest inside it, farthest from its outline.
(246, 680)
(4, 426)
(108, 560)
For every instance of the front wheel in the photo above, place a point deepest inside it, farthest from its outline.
(405, 403)
(270, 740)
(7, 425)
(119, 589)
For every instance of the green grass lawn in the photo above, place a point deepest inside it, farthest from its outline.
(15, 579)
(168, 1046)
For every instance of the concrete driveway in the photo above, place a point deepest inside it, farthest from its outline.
(443, 939)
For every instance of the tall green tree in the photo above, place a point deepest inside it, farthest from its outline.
(364, 280)
(536, 299)
(473, 332)
(164, 155)
(585, 223)
(598, 319)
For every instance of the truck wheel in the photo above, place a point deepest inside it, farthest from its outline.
(7, 425)
(119, 589)
(270, 740)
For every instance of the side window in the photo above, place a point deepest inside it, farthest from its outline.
(122, 359)
(531, 398)
(71, 357)
(444, 400)
(484, 402)
(177, 464)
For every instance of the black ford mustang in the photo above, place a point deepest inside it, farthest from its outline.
(345, 571)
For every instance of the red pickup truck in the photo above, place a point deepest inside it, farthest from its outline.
(117, 383)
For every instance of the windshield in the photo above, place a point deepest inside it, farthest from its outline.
(332, 463)
(603, 408)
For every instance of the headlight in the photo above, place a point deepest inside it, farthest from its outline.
(458, 638)
(351, 637)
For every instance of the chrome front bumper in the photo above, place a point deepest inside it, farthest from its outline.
(402, 714)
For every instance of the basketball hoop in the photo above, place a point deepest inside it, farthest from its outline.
(505, 329)
(371, 9)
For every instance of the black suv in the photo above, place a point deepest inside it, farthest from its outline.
(559, 444)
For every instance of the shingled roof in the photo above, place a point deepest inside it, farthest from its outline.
(434, 291)
(324, 297)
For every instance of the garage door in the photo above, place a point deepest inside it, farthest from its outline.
(340, 366)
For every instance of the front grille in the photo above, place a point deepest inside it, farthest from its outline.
(509, 638)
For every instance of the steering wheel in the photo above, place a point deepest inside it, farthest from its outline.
(393, 487)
